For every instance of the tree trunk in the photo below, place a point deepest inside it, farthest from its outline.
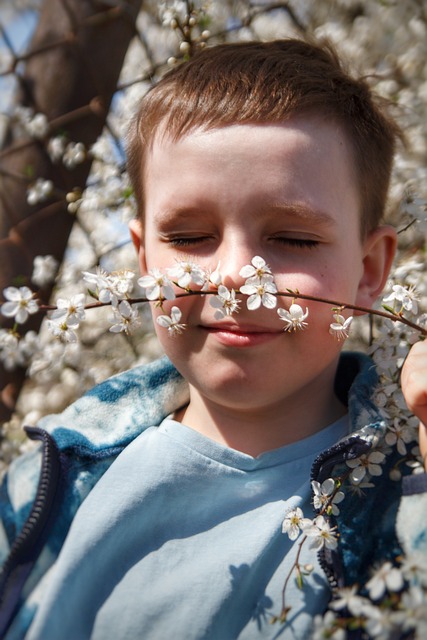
(70, 74)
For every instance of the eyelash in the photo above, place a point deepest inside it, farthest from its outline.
(300, 243)
(186, 242)
(293, 242)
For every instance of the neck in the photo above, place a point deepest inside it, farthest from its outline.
(256, 430)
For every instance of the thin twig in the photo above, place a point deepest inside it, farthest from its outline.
(394, 317)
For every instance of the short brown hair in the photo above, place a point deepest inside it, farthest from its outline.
(268, 83)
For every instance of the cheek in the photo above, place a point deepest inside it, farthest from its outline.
(320, 283)
(333, 284)
(334, 279)
(189, 306)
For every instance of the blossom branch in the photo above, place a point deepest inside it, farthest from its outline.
(295, 295)
(295, 567)
(395, 317)
(326, 497)
(184, 279)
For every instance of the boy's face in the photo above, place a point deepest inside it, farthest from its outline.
(286, 192)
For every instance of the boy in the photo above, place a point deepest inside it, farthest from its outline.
(263, 160)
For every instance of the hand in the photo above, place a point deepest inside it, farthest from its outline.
(414, 387)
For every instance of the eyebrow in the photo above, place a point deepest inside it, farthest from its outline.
(294, 210)
(181, 212)
(302, 212)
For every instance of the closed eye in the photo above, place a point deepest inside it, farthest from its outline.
(187, 241)
(300, 243)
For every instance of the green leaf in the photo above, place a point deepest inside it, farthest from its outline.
(93, 294)
(389, 309)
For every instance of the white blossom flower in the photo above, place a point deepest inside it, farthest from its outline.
(47, 363)
(56, 147)
(35, 124)
(414, 614)
(28, 346)
(64, 329)
(348, 598)
(295, 522)
(381, 624)
(97, 280)
(323, 493)
(359, 488)
(326, 627)
(44, 270)
(366, 463)
(39, 191)
(9, 350)
(400, 434)
(257, 272)
(412, 204)
(21, 304)
(169, 12)
(414, 568)
(390, 399)
(102, 150)
(409, 268)
(322, 533)
(225, 302)
(172, 322)
(72, 309)
(340, 327)
(294, 318)
(126, 317)
(157, 286)
(38, 126)
(387, 350)
(259, 294)
(74, 154)
(387, 577)
(23, 114)
(121, 282)
(407, 298)
(215, 277)
(186, 273)
(110, 287)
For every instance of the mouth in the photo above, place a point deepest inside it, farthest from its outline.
(233, 335)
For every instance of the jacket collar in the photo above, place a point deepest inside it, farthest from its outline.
(116, 411)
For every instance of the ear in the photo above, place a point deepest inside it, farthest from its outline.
(379, 248)
(137, 235)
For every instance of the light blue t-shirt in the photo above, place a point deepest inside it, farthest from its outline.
(182, 539)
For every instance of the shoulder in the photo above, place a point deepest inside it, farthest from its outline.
(114, 412)
(86, 438)
(43, 489)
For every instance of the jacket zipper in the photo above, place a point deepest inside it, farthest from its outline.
(321, 470)
(28, 544)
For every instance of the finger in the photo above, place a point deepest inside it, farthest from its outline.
(414, 381)
(423, 444)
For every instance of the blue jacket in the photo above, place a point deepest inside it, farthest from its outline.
(43, 489)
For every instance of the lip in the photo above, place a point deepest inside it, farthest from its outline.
(241, 336)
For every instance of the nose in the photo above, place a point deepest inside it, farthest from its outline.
(233, 257)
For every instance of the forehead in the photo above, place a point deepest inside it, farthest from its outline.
(305, 160)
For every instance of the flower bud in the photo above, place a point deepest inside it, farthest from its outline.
(184, 47)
